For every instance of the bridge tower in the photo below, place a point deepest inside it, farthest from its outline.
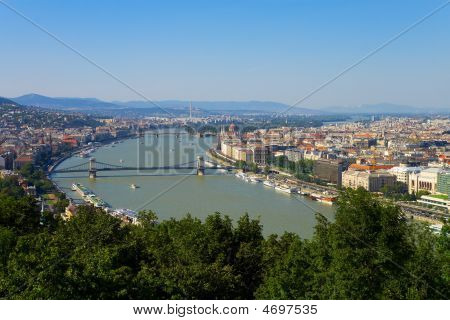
(200, 166)
(92, 169)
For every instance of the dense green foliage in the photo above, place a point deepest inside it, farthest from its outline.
(369, 252)
(251, 166)
(303, 166)
(9, 186)
(37, 178)
(399, 191)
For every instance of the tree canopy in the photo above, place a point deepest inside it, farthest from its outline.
(369, 252)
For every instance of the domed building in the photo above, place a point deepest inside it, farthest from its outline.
(232, 129)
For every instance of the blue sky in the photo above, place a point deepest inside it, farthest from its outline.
(276, 50)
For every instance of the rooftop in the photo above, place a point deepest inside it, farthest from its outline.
(405, 169)
(434, 170)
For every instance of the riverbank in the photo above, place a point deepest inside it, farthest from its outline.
(220, 157)
(284, 181)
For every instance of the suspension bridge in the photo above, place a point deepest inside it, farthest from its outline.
(92, 167)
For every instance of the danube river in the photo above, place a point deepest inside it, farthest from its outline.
(173, 193)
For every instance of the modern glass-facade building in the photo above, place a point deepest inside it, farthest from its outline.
(443, 183)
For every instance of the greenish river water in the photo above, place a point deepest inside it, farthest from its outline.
(172, 193)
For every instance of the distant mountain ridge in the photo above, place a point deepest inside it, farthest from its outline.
(80, 104)
(5, 101)
(94, 104)
(38, 100)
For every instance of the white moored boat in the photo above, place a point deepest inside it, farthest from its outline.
(255, 180)
(286, 189)
(269, 183)
(241, 175)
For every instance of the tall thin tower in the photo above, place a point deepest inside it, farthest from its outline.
(190, 110)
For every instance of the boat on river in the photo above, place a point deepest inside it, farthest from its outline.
(324, 198)
(269, 183)
(241, 175)
(255, 180)
(285, 188)
(89, 196)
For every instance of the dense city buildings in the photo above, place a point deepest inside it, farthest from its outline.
(400, 147)
(391, 156)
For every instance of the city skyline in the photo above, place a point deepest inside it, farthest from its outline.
(268, 51)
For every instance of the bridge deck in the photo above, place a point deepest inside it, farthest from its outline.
(94, 166)
(140, 169)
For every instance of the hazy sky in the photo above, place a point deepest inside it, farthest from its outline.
(229, 50)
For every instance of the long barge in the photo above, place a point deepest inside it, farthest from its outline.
(89, 196)
(126, 215)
